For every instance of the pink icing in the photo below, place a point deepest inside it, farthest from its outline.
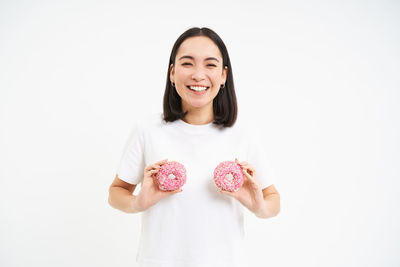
(222, 182)
(175, 168)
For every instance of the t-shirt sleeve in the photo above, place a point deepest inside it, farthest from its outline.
(131, 166)
(259, 158)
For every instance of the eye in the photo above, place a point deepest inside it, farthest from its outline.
(186, 64)
(212, 65)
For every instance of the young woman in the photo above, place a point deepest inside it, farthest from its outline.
(197, 225)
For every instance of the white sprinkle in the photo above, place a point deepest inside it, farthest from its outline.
(229, 176)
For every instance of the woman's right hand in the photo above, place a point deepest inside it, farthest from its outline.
(150, 193)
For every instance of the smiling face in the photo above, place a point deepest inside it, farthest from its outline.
(198, 66)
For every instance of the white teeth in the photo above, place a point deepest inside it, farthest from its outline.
(198, 88)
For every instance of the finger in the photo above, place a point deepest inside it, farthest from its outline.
(237, 161)
(151, 172)
(245, 168)
(249, 167)
(161, 162)
(248, 176)
(149, 168)
(223, 192)
(252, 170)
(252, 178)
(156, 165)
(175, 191)
(241, 163)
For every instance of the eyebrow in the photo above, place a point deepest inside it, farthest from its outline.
(190, 57)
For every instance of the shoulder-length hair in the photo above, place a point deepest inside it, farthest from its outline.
(224, 104)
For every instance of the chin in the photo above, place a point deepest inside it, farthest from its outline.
(198, 104)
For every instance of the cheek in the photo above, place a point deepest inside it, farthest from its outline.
(215, 77)
(182, 73)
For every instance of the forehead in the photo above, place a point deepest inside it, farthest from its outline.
(199, 47)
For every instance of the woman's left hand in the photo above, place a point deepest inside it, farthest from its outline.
(249, 194)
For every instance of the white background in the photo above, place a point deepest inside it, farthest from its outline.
(321, 78)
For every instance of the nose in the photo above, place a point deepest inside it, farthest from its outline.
(198, 74)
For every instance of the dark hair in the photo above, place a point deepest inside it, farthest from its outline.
(224, 104)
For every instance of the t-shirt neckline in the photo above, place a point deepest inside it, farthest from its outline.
(196, 129)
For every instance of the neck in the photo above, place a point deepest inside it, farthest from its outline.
(199, 116)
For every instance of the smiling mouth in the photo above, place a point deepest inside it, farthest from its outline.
(197, 88)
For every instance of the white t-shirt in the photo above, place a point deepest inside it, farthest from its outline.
(199, 226)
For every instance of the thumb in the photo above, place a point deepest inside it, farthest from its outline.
(226, 193)
(175, 191)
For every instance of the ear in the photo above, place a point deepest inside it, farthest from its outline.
(171, 73)
(224, 74)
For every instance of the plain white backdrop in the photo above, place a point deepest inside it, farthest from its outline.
(320, 78)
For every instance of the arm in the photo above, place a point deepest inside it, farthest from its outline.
(263, 203)
(121, 196)
(120, 192)
(271, 206)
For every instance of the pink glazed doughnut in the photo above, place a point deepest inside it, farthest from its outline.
(171, 176)
(228, 176)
